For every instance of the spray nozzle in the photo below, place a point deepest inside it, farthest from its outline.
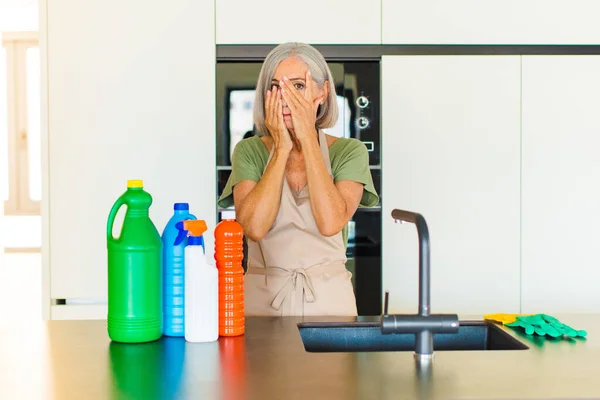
(195, 227)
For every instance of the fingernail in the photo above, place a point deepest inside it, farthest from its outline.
(285, 78)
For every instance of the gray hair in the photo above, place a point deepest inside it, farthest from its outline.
(327, 113)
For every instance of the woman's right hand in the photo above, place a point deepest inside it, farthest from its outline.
(282, 140)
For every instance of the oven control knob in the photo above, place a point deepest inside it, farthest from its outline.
(362, 102)
(363, 122)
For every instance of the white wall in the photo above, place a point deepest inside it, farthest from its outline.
(18, 15)
(19, 231)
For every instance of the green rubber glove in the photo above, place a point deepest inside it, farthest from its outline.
(543, 324)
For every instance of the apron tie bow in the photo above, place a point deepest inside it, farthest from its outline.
(297, 279)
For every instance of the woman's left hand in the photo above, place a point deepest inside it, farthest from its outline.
(303, 106)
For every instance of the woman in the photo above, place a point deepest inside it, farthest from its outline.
(295, 189)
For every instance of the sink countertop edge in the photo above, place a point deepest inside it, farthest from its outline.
(63, 359)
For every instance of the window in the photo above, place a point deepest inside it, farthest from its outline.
(20, 143)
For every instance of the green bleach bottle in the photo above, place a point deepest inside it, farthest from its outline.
(134, 270)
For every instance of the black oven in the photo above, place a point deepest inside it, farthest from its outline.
(357, 85)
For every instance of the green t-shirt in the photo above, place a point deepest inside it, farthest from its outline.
(349, 161)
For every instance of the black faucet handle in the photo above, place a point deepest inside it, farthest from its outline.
(386, 302)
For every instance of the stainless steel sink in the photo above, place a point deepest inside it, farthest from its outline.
(367, 337)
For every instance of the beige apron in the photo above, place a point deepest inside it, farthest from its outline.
(294, 270)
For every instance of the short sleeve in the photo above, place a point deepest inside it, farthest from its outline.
(247, 163)
(351, 162)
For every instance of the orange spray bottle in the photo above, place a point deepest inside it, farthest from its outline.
(229, 252)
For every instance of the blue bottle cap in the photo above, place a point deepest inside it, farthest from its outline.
(181, 206)
(196, 241)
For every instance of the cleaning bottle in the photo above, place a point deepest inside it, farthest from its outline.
(229, 252)
(201, 287)
(174, 272)
(134, 270)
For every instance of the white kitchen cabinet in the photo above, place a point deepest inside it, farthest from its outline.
(561, 184)
(490, 22)
(450, 151)
(311, 21)
(130, 95)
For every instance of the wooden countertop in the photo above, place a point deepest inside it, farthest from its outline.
(76, 360)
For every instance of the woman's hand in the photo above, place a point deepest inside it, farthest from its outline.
(257, 203)
(274, 121)
(303, 106)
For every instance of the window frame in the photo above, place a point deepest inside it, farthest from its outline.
(19, 201)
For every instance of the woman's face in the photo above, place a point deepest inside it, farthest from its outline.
(295, 69)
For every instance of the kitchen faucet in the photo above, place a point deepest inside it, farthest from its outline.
(424, 324)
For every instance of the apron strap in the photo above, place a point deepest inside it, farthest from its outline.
(325, 151)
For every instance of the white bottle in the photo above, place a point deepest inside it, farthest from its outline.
(201, 288)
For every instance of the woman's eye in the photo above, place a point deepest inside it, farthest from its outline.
(299, 86)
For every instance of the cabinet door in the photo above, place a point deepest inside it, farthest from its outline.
(490, 22)
(451, 134)
(311, 21)
(125, 102)
(561, 184)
